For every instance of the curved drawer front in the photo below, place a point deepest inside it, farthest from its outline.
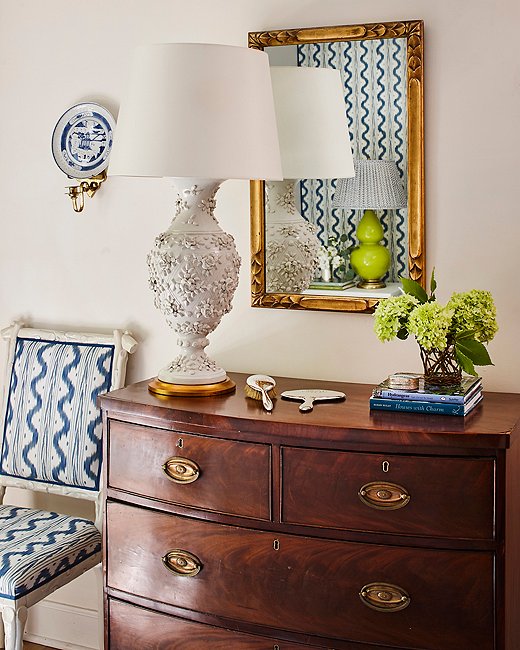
(407, 495)
(224, 476)
(379, 593)
(136, 627)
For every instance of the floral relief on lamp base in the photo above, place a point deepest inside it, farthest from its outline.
(193, 269)
(292, 244)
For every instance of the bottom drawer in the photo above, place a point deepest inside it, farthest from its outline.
(141, 629)
(410, 598)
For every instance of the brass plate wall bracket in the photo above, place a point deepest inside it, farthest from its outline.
(384, 496)
(89, 186)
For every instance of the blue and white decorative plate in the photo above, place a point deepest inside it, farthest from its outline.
(82, 140)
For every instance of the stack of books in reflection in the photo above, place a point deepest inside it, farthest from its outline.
(460, 399)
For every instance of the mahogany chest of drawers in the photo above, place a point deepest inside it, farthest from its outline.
(229, 527)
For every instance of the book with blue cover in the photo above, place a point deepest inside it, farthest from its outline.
(459, 394)
(415, 406)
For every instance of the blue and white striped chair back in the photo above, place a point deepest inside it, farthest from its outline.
(52, 427)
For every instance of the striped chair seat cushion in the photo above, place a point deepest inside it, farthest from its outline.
(37, 546)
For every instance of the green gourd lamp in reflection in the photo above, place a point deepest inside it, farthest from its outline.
(370, 260)
(377, 185)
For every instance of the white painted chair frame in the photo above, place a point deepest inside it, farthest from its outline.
(14, 613)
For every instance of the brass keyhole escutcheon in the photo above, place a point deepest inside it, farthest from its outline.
(181, 470)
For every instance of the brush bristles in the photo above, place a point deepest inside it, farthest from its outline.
(253, 393)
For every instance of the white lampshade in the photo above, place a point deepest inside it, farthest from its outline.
(377, 185)
(312, 123)
(197, 110)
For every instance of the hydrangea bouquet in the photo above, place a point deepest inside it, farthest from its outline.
(451, 337)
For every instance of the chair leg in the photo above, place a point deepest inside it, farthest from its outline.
(14, 624)
(98, 569)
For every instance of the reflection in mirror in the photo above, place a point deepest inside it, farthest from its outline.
(377, 185)
(314, 143)
(380, 73)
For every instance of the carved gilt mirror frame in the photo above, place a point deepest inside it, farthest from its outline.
(412, 31)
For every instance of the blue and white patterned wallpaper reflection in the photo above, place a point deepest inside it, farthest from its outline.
(374, 78)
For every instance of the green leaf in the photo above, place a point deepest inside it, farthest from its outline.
(465, 363)
(433, 285)
(475, 351)
(464, 334)
(414, 288)
(402, 334)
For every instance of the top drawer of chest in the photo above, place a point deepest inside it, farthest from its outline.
(223, 476)
(404, 495)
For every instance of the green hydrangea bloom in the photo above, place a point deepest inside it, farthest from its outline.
(430, 323)
(392, 314)
(474, 310)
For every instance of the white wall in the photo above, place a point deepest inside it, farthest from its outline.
(88, 270)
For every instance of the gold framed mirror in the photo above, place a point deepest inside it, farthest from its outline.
(381, 71)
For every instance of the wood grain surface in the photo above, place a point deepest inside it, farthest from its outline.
(284, 541)
(306, 585)
(489, 425)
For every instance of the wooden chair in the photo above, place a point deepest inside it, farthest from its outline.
(51, 441)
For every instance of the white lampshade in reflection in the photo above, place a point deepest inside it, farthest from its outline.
(199, 113)
(314, 143)
(312, 123)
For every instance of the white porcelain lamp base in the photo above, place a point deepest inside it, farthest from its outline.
(291, 242)
(193, 273)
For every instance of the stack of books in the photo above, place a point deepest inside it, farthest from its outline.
(332, 286)
(444, 400)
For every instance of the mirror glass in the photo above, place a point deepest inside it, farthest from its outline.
(309, 250)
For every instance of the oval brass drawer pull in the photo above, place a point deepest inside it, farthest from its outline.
(384, 496)
(384, 597)
(182, 563)
(181, 470)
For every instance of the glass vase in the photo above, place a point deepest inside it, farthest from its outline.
(440, 366)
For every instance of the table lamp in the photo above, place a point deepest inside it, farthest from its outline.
(199, 114)
(314, 143)
(377, 185)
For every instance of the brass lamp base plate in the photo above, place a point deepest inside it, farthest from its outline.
(165, 389)
(371, 284)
